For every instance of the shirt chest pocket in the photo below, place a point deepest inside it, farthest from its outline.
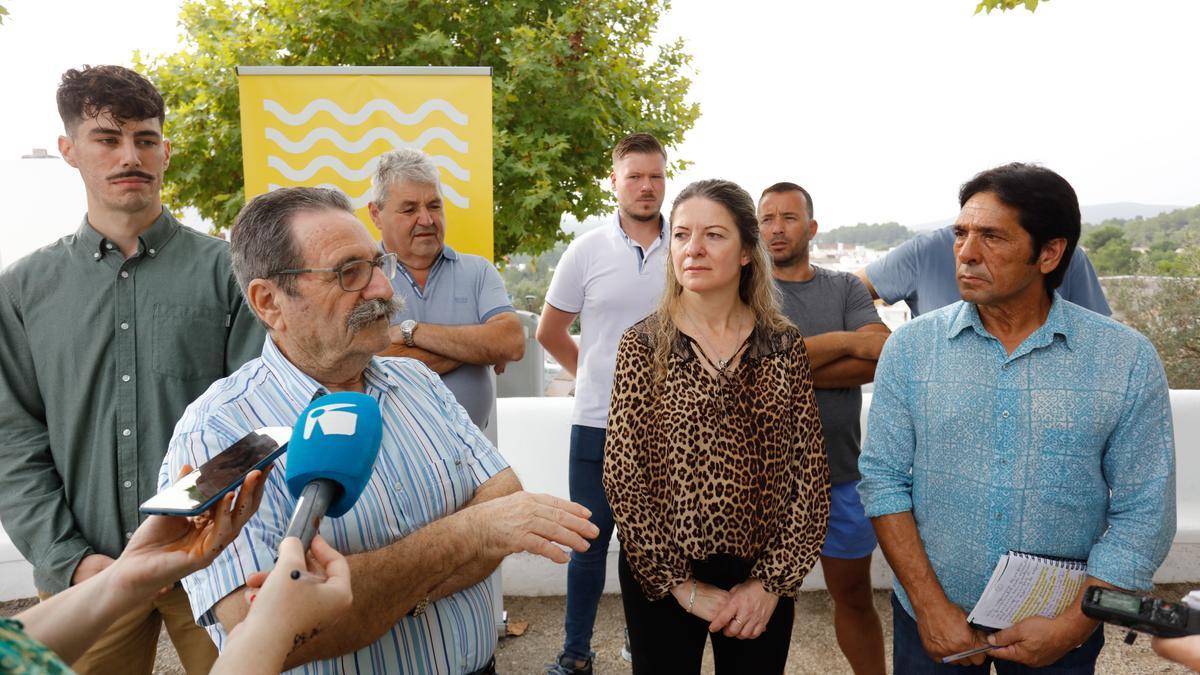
(188, 341)
(442, 487)
(1069, 461)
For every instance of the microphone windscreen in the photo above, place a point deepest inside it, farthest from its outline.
(336, 438)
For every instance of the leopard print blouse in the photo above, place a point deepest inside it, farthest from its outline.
(703, 465)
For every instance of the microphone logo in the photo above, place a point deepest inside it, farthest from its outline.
(331, 421)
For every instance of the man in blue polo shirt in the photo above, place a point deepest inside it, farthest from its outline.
(457, 317)
(921, 272)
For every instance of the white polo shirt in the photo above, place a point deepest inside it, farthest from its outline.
(612, 283)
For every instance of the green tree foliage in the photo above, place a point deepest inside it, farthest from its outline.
(1180, 227)
(1005, 5)
(1143, 245)
(879, 236)
(1165, 310)
(1110, 251)
(569, 80)
(527, 278)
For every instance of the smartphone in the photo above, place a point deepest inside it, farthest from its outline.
(1140, 612)
(198, 491)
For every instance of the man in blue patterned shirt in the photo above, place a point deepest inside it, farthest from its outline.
(441, 508)
(1014, 420)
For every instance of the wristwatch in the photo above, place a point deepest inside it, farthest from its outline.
(422, 605)
(407, 328)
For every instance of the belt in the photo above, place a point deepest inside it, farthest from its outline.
(487, 669)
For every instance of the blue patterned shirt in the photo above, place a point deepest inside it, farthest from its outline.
(431, 461)
(1064, 448)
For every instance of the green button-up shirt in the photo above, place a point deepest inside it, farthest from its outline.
(101, 354)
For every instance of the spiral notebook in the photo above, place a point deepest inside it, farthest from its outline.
(1024, 585)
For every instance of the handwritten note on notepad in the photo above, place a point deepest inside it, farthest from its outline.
(1024, 585)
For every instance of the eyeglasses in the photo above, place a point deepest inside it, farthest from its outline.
(356, 274)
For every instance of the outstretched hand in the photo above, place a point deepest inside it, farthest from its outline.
(165, 549)
(524, 521)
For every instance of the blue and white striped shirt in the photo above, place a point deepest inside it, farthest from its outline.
(1063, 448)
(431, 462)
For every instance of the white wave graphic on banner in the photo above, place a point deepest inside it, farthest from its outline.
(360, 201)
(354, 147)
(328, 161)
(370, 108)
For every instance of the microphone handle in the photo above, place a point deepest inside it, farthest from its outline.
(310, 509)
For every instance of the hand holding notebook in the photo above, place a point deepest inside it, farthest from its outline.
(1024, 585)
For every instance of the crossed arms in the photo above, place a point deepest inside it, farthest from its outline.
(443, 348)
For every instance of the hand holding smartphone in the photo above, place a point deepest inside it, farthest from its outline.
(199, 490)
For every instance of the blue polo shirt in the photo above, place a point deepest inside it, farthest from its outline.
(462, 289)
(921, 272)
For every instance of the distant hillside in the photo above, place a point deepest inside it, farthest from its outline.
(879, 236)
(1173, 229)
(1091, 213)
(1098, 213)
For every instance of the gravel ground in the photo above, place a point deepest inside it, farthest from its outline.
(813, 643)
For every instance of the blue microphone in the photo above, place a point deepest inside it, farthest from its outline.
(330, 458)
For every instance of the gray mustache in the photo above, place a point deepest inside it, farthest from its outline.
(368, 312)
(975, 271)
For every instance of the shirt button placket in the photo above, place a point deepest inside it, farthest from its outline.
(126, 422)
(1002, 470)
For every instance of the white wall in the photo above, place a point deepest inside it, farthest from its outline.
(534, 435)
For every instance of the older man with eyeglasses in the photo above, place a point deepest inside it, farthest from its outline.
(441, 509)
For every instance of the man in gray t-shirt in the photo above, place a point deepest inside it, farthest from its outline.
(844, 335)
(457, 317)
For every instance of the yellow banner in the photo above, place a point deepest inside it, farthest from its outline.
(328, 127)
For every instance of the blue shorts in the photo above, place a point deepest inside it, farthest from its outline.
(850, 535)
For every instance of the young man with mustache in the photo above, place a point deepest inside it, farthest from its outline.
(109, 333)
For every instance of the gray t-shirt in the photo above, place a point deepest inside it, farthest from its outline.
(461, 289)
(833, 301)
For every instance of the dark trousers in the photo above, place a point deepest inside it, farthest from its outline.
(909, 655)
(586, 571)
(664, 638)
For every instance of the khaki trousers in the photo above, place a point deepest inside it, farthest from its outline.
(131, 643)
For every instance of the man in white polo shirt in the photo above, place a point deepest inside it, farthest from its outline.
(610, 277)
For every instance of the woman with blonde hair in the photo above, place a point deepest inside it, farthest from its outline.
(714, 461)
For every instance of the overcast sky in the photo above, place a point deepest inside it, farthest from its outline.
(880, 107)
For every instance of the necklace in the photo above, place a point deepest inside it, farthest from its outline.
(706, 347)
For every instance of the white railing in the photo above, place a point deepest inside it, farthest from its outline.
(534, 437)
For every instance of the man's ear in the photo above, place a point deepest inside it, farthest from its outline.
(263, 297)
(66, 148)
(373, 211)
(812, 229)
(612, 178)
(1051, 254)
(166, 154)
